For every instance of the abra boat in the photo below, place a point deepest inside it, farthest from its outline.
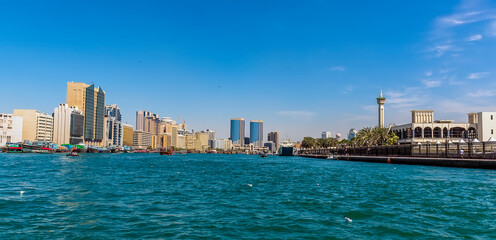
(73, 154)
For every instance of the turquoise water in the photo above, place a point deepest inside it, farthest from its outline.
(196, 196)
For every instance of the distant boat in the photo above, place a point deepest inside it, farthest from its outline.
(73, 154)
(286, 148)
(264, 155)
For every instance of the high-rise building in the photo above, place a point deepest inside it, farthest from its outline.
(145, 120)
(114, 132)
(113, 111)
(114, 126)
(36, 126)
(127, 135)
(237, 131)
(174, 136)
(91, 102)
(77, 128)
(10, 129)
(326, 135)
(274, 137)
(256, 133)
(68, 125)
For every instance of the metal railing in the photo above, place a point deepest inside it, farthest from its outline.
(479, 150)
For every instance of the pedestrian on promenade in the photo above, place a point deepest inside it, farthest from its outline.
(461, 153)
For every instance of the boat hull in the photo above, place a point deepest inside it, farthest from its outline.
(286, 151)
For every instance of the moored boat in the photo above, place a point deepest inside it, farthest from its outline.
(286, 148)
(166, 151)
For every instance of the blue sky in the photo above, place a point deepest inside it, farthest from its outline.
(302, 67)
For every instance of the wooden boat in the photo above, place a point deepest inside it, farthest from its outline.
(264, 155)
(166, 151)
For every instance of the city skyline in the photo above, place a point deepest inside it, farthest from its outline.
(303, 75)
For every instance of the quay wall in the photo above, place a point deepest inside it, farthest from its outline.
(440, 162)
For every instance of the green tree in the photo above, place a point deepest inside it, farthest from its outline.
(344, 142)
(308, 142)
(392, 138)
(333, 142)
(323, 142)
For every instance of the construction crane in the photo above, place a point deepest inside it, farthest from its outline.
(182, 123)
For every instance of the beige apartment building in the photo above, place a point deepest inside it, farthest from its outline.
(201, 140)
(142, 140)
(36, 126)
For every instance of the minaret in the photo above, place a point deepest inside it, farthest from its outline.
(380, 101)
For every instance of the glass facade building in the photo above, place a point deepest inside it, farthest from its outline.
(76, 132)
(237, 131)
(89, 113)
(256, 133)
(94, 113)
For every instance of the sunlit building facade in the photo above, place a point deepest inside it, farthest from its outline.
(237, 135)
(256, 133)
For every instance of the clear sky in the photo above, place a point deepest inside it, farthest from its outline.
(302, 67)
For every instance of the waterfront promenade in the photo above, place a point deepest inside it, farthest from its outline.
(462, 155)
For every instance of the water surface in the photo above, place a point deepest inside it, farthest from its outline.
(198, 196)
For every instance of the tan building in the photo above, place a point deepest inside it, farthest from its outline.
(91, 102)
(201, 139)
(166, 141)
(127, 135)
(181, 141)
(174, 136)
(274, 137)
(189, 141)
(142, 140)
(36, 126)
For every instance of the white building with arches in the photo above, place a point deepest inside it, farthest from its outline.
(424, 128)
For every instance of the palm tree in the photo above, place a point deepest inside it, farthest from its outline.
(364, 136)
(375, 136)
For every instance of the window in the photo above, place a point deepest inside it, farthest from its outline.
(492, 131)
(491, 117)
